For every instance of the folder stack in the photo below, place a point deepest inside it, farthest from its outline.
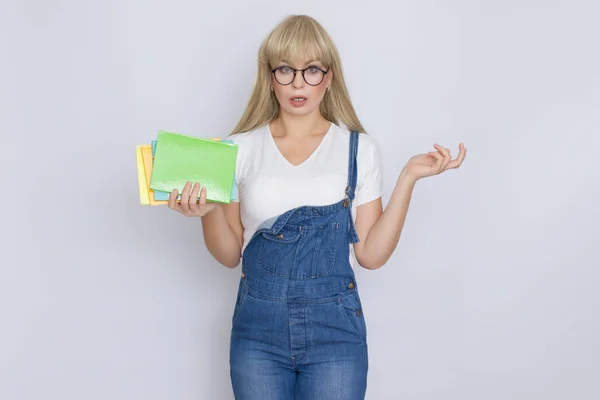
(173, 159)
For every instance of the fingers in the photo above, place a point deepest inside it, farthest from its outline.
(446, 155)
(203, 197)
(439, 159)
(444, 151)
(461, 156)
(185, 199)
(194, 199)
(448, 162)
(173, 205)
(462, 152)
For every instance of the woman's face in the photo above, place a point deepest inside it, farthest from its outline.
(300, 95)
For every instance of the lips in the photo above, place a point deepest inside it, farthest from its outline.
(297, 101)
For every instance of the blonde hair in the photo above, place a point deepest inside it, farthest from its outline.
(298, 38)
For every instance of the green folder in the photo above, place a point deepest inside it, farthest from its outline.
(181, 158)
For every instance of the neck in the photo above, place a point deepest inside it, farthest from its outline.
(299, 126)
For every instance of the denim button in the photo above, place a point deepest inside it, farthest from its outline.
(280, 236)
(351, 285)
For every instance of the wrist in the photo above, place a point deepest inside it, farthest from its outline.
(214, 210)
(406, 177)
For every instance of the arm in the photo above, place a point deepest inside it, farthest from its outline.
(379, 231)
(223, 234)
(221, 223)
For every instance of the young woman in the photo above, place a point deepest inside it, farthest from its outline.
(309, 210)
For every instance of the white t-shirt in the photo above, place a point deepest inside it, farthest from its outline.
(268, 185)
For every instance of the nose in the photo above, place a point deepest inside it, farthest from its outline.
(298, 81)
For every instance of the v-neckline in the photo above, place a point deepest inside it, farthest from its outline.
(311, 155)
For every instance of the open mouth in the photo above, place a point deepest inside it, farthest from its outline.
(298, 101)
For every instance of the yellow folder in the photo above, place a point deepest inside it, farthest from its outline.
(144, 198)
(147, 157)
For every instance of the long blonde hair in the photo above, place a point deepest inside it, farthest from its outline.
(298, 38)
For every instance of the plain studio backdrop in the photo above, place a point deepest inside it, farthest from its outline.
(492, 291)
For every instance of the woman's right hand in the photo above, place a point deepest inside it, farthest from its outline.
(190, 205)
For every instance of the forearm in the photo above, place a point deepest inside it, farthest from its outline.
(220, 239)
(383, 237)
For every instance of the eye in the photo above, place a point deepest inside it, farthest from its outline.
(285, 69)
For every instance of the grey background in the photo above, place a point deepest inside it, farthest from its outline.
(492, 292)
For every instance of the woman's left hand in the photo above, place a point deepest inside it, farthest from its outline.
(434, 162)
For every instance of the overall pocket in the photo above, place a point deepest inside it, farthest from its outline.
(351, 310)
(239, 301)
(277, 252)
(303, 254)
(324, 244)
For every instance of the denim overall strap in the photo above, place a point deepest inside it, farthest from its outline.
(351, 188)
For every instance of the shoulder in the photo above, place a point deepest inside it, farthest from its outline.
(247, 138)
(248, 142)
(369, 165)
(368, 147)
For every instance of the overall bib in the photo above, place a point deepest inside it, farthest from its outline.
(298, 330)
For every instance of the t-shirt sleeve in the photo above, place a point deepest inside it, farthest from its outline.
(370, 171)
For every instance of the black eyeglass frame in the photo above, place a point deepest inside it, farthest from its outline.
(303, 76)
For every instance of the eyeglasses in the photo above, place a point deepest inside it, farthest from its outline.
(312, 75)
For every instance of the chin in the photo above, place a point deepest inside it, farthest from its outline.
(299, 112)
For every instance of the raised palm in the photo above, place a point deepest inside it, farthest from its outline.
(434, 162)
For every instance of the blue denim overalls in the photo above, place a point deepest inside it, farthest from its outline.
(298, 330)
